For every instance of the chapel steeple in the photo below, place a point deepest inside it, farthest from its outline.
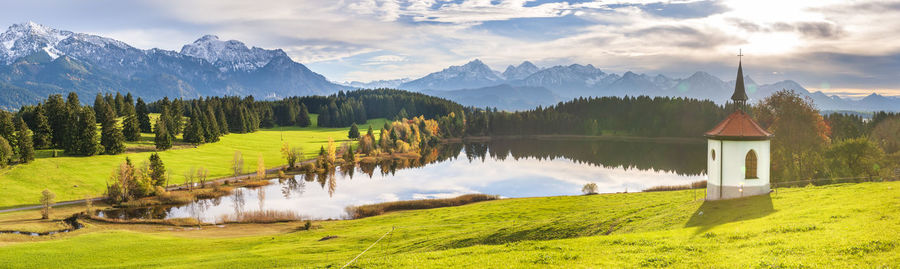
(740, 95)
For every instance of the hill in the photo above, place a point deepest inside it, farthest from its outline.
(827, 226)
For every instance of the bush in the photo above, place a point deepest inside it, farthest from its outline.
(174, 197)
(263, 216)
(694, 185)
(590, 188)
(363, 211)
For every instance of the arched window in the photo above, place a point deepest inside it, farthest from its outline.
(750, 164)
(713, 154)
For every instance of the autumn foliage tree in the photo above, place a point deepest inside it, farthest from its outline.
(801, 135)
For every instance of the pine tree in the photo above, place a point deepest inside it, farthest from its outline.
(163, 139)
(6, 153)
(131, 128)
(42, 133)
(176, 116)
(212, 127)
(26, 146)
(8, 129)
(100, 110)
(143, 116)
(194, 132)
(58, 117)
(303, 117)
(118, 107)
(111, 136)
(157, 170)
(223, 123)
(354, 131)
(83, 133)
(129, 104)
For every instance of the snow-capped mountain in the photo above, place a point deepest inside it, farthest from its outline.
(24, 39)
(575, 80)
(36, 60)
(524, 70)
(393, 83)
(474, 74)
(231, 55)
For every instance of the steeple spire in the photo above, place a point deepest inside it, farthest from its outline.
(740, 95)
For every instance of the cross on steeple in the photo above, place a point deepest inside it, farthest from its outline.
(740, 95)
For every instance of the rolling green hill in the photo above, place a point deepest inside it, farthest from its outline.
(834, 226)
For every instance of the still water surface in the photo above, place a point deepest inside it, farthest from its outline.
(509, 168)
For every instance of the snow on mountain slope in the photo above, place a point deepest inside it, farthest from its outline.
(230, 55)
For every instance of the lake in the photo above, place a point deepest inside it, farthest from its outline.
(509, 168)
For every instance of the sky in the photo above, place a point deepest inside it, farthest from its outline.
(850, 48)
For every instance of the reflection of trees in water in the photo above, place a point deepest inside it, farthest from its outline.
(292, 185)
(332, 183)
(681, 158)
(261, 196)
(238, 199)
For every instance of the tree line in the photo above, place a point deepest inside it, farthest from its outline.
(636, 116)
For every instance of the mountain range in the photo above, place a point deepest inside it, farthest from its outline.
(36, 60)
(526, 86)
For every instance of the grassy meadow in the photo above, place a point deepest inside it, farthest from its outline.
(833, 226)
(77, 177)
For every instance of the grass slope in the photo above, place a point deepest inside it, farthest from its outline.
(74, 177)
(836, 226)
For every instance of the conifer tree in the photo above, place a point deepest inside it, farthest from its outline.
(194, 132)
(26, 146)
(129, 104)
(83, 138)
(212, 126)
(100, 111)
(157, 170)
(163, 139)
(118, 106)
(354, 131)
(143, 116)
(176, 116)
(223, 123)
(42, 133)
(57, 116)
(6, 153)
(303, 117)
(111, 136)
(131, 128)
(8, 129)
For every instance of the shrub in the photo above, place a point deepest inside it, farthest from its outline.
(590, 188)
(263, 216)
(363, 211)
(694, 185)
(175, 197)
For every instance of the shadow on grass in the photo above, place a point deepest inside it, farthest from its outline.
(715, 213)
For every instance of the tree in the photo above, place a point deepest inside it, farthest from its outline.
(111, 136)
(102, 109)
(157, 170)
(42, 132)
(26, 146)
(131, 128)
(163, 139)
(6, 152)
(330, 151)
(194, 133)
(237, 163)
(303, 117)
(47, 198)
(8, 129)
(354, 132)
(143, 116)
(202, 175)
(260, 168)
(590, 188)
(291, 154)
(58, 116)
(854, 157)
(83, 138)
(800, 135)
(887, 134)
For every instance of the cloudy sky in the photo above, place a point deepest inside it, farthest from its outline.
(845, 47)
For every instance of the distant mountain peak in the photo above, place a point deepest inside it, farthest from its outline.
(230, 55)
(521, 71)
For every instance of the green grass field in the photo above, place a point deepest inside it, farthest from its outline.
(834, 226)
(72, 178)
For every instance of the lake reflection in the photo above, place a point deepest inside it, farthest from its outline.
(510, 168)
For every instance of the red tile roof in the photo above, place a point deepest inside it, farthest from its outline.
(738, 126)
